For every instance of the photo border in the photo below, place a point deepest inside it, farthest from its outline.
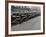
(6, 17)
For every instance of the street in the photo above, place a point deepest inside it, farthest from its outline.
(32, 24)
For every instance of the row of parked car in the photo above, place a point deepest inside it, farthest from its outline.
(18, 18)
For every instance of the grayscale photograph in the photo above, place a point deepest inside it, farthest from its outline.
(25, 18)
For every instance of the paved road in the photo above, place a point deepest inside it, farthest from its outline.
(32, 24)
